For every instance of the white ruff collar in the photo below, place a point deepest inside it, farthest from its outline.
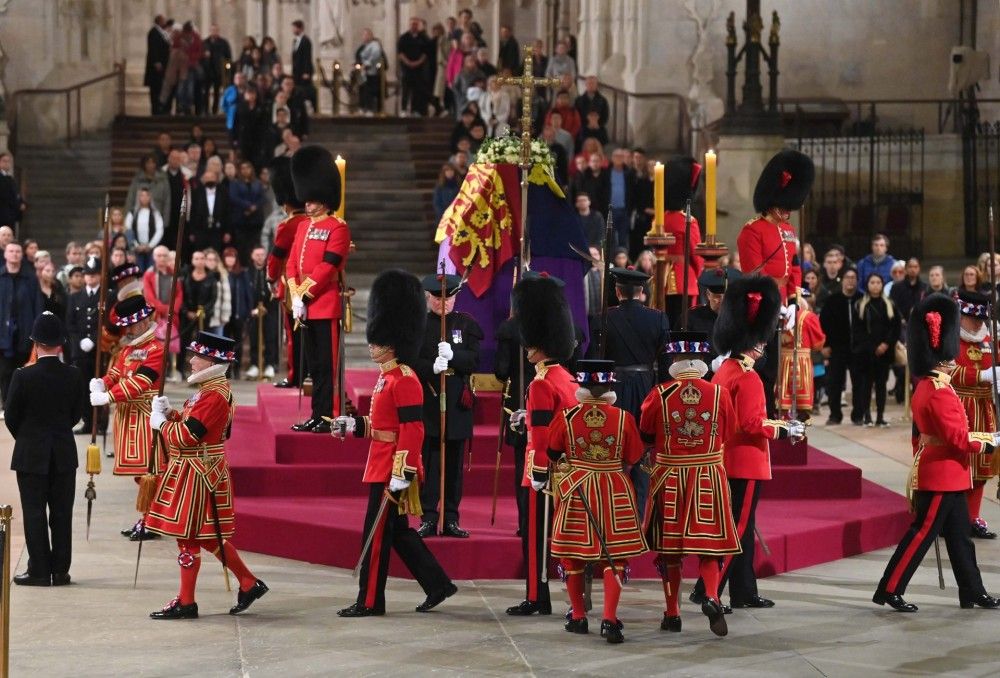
(144, 337)
(977, 337)
(584, 394)
(688, 367)
(218, 370)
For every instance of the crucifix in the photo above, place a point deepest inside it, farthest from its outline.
(527, 82)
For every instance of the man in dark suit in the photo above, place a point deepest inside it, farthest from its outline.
(20, 304)
(302, 62)
(157, 54)
(82, 323)
(44, 401)
(217, 55)
(11, 202)
(210, 225)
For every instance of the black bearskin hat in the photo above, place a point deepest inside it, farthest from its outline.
(748, 315)
(397, 313)
(785, 182)
(680, 178)
(932, 333)
(542, 316)
(315, 177)
(281, 182)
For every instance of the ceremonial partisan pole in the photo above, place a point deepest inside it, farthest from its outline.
(443, 401)
(93, 453)
(991, 225)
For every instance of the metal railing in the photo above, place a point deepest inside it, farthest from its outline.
(619, 103)
(802, 116)
(73, 104)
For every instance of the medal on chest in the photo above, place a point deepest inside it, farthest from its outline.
(456, 336)
(321, 234)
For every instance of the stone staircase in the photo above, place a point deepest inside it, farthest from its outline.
(64, 188)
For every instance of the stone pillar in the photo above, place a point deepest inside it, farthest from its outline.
(741, 159)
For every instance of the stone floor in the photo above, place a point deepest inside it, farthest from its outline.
(824, 622)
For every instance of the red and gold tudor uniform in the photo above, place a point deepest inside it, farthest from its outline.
(973, 382)
(591, 444)
(194, 500)
(396, 315)
(811, 338)
(942, 463)
(316, 260)
(680, 181)
(542, 317)
(688, 421)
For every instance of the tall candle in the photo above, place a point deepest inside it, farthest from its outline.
(658, 198)
(710, 194)
(342, 169)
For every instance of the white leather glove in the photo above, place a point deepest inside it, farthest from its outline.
(796, 429)
(537, 485)
(445, 351)
(100, 398)
(86, 345)
(97, 385)
(440, 365)
(996, 440)
(788, 315)
(298, 308)
(157, 419)
(517, 419)
(161, 404)
(397, 484)
(717, 363)
(342, 426)
(986, 376)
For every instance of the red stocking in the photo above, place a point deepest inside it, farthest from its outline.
(189, 559)
(234, 563)
(672, 588)
(974, 497)
(612, 593)
(708, 568)
(574, 586)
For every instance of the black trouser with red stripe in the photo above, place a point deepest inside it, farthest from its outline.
(322, 345)
(738, 569)
(394, 531)
(533, 547)
(937, 513)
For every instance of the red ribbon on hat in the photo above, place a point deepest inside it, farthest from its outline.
(753, 305)
(933, 320)
(695, 174)
(786, 178)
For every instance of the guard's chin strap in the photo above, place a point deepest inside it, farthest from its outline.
(687, 367)
(583, 394)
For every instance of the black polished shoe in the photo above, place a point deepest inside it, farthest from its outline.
(438, 597)
(143, 535)
(284, 383)
(308, 425)
(176, 611)
(669, 623)
(527, 607)
(28, 580)
(61, 579)
(983, 600)
(577, 626)
(716, 617)
(453, 530)
(753, 601)
(245, 598)
(893, 600)
(322, 427)
(697, 597)
(427, 529)
(359, 610)
(612, 631)
(130, 530)
(980, 530)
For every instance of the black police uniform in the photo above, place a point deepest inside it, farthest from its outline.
(82, 321)
(702, 318)
(464, 335)
(505, 367)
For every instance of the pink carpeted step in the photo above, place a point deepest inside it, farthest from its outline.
(824, 477)
(784, 453)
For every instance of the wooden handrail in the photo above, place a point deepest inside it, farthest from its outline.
(117, 72)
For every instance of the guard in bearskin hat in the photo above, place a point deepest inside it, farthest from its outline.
(397, 314)
(596, 518)
(944, 450)
(768, 244)
(974, 383)
(194, 502)
(542, 316)
(315, 278)
(278, 261)
(681, 176)
(747, 320)
(132, 380)
(688, 421)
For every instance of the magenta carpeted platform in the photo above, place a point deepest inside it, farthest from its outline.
(300, 496)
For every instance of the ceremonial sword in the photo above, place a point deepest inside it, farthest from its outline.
(371, 533)
(600, 535)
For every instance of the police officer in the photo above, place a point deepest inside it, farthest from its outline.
(702, 318)
(457, 356)
(82, 322)
(636, 337)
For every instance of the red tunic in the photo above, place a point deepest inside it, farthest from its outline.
(597, 440)
(977, 398)
(811, 338)
(673, 223)
(552, 390)
(748, 453)
(770, 249)
(318, 254)
(944, 451)
(689, 509)
(132, 380)
(395, 425)
(195, 440)
(284, 239)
